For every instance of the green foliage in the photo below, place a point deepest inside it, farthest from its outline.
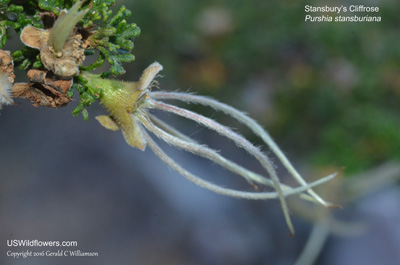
(12, 15)
(27, 58)
(88, 95)
(114, 39)
(52, 5)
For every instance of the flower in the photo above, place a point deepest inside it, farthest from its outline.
(130, 105)
(122, 100)
(60, 48)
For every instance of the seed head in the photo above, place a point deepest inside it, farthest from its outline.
(6, 78)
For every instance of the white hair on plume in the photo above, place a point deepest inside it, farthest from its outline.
(5, 90)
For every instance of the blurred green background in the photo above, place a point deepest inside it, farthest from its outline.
(329, 92)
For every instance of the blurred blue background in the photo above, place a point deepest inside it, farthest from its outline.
(327, 92)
